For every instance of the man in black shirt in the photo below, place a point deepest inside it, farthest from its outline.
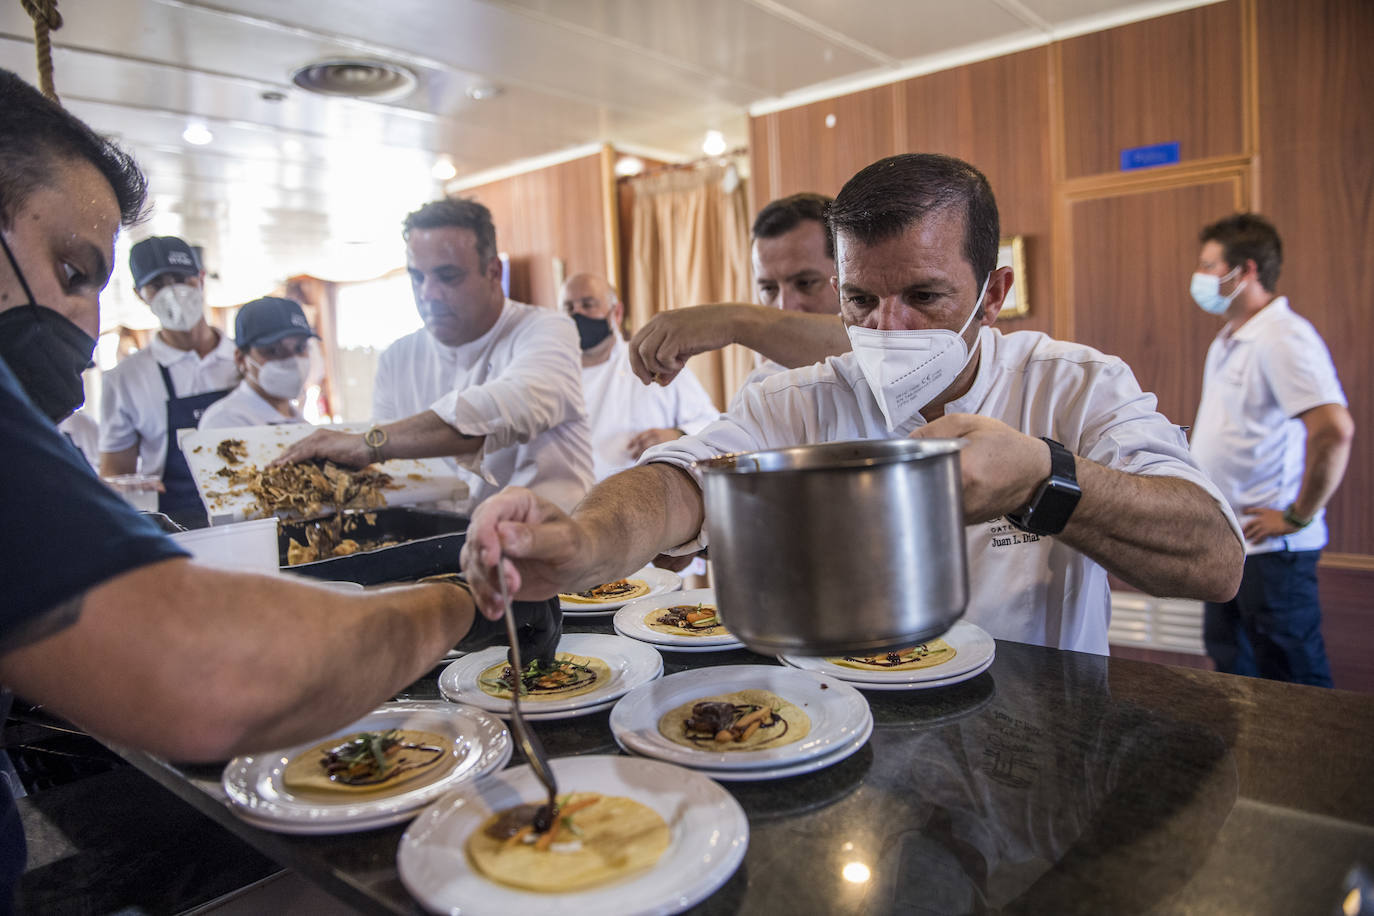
(102, 619)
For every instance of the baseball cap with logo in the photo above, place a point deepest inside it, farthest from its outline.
(161, 254)
(267, 320)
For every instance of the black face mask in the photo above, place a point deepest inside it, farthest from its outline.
(591, 331)
(45, 351)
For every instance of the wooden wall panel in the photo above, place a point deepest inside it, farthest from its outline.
(995, 115)
(809, 156)
(1132, 259)
(1317, 180)
(1176, 77)
(556, 212)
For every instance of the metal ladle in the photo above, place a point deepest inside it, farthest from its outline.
(529, 742)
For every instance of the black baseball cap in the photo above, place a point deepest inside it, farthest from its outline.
(267, 320)
(161, 254)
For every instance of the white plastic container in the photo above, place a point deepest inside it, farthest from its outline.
(250, 546)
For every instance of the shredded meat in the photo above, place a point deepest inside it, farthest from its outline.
(711, 717)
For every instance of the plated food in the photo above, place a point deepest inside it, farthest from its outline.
(610, 596)
(971, 651)
(595, 839)
(745, 720)
(666, 839)
(369, 763)
(814, 721)
(685, 621)
(379, 771)
(924, 655)
(619, 590)
(696, 620)
(308, 488)
(591, 672)
(569, 676)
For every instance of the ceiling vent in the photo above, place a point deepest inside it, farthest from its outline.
(358, 79)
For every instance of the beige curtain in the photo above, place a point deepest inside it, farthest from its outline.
(690, 246)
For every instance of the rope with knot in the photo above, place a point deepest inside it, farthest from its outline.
(45, 18)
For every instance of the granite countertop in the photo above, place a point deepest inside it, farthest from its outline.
(1055, 782)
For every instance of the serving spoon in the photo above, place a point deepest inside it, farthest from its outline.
(529, 742)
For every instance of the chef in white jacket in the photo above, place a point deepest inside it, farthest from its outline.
(627, 417)
(1069, 473)
(493, 384)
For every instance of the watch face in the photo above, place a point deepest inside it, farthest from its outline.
(1056, 503)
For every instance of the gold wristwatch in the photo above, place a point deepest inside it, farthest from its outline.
(374, 439)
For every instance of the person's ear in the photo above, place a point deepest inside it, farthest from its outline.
(999, 284)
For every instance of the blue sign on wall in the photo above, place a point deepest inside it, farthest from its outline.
(1147, 157)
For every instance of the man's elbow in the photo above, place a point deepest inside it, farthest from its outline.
(1217, 571)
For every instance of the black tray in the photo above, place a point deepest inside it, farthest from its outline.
(430, 544)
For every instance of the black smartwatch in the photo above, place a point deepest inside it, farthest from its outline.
(1054, 501)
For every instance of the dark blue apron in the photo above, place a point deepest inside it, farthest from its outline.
(180, 502)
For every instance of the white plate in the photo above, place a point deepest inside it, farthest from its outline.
(837, 712)
(629, 621)
(785, 770)
(481, 745)
(632, 664)
(708, 831)
(924, 685)
(974, 650)
(660, 581)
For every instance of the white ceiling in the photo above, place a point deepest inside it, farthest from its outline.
(315, 184)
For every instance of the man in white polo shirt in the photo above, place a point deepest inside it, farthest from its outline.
(1069, 472)
(1273, 431)
(491, 383)
(168, 385)
(627, 417)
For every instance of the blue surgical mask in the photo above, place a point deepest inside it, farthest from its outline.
(1206, 291)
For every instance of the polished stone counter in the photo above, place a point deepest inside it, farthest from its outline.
(1055, 782)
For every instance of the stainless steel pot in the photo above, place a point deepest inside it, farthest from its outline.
(839, 548)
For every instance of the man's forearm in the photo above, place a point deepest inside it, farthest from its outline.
(426, 435)
(118, 464)
(791, 339)
(1163, 535)
(225, 663)
(634, 516)
(1326, 460)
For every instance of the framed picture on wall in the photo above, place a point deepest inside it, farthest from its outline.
(1012, 253)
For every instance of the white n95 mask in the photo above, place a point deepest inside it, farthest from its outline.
(178, 307)
(283, 378)
(907, 369)
(1206, 292)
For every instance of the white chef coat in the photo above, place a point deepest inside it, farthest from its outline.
(1247, 435)
(519, 385)
(133, 401)
(245, 407)
(620, 407)
(1021, 586)
(763, 369)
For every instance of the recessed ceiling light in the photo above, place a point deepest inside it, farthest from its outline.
(480, 92)
(197, 134)
(714, 144)
(627, 166)
(443, 168)
(359, 79)
(272, 95)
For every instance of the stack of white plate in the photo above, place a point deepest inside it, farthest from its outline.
(629, 621)
(480, 745)
(632, 664)
(974, 651)
(660, 581)
(841, 721)
(708, 836)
